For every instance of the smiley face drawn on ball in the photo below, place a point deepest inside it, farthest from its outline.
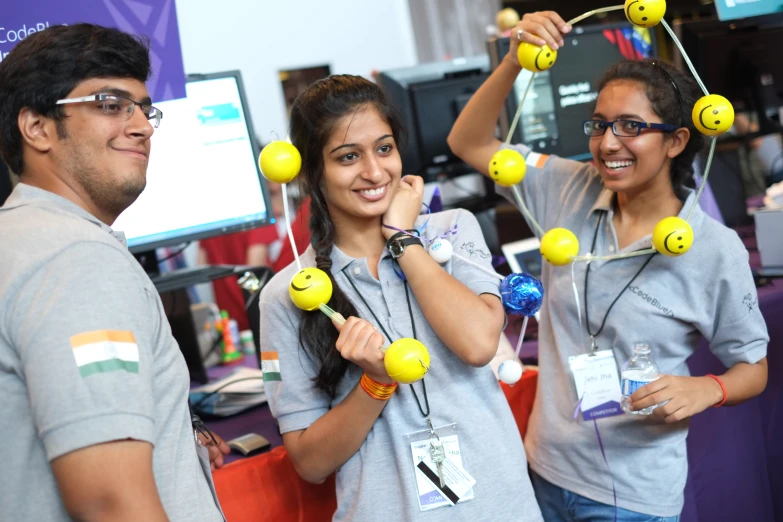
(548, 55)
(631, 18)
(298, 289)
(701, 118)
(679, 249)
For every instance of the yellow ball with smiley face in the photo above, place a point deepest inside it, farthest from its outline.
(535, 58)
(280, 162)
(407, 360)
(310, 288)
(672, 236)
(645, 13)
(559, 245)
(713, 115)
(507, 167)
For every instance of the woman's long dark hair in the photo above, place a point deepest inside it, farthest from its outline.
(672, 95)
(314, 115)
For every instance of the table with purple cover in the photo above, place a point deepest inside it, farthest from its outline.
(735, 465)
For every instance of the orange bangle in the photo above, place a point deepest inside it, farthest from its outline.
(377, 390)
(722, 387)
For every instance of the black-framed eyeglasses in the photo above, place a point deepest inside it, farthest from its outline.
(118, 106)
(623, 128)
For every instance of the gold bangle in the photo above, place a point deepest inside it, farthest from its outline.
(377, 390)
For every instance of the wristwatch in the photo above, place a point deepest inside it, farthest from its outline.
(397, 243)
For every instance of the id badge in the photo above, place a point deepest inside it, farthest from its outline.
(458, 483)
(597, 384)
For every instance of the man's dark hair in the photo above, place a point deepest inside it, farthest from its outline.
(46, 66)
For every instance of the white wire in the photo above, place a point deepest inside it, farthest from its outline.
(704, 178)
(288, 226)
(522, 334)
(528, 215)
(685, 56)
(589, 257)
(595, 11)
(519, 110)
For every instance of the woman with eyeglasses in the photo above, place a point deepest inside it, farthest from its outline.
(620, 466)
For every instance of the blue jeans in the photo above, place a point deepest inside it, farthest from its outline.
(560, 505)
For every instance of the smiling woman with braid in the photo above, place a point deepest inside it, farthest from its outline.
(337, 407)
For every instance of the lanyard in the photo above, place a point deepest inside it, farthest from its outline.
(593, 346)
(424, 413)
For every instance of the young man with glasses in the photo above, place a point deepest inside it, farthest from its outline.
(94, 384)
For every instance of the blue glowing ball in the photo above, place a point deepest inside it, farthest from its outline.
(522, 294)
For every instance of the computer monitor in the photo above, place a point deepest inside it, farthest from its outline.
(203, 179)
(562, 97)
(429, 97)
(740, 60)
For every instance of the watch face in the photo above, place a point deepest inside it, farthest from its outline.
(396, 248)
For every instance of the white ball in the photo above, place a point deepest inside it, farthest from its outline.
(510, 371)
(441, 250)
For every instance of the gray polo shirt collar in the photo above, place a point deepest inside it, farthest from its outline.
(25, 194)
(605, 202)
(340, 259)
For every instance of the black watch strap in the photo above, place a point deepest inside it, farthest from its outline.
(399, 241)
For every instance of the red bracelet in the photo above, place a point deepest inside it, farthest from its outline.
(722, 387)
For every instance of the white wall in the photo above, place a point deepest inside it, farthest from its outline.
(263, 37)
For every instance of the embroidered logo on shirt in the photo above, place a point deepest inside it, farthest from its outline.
(470, 248)
(270, 366)
(652, 300)
(750, 302)
(104, 351)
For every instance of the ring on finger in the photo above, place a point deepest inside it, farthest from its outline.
(520, 32)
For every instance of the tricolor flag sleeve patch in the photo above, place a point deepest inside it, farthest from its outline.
(270, 366)
(104, 351)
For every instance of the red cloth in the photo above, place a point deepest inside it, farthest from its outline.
(301, 230)
(231, 249)
(266, 488)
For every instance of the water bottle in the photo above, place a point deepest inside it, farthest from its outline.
(638, 371)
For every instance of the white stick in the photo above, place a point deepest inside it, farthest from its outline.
(288, 226)
(519, 110)
(595, 11)
(528, 215)
(685, 56)
(704, 178)
(522, 334)
(591, 257)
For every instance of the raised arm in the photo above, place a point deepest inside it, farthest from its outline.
(473, 136)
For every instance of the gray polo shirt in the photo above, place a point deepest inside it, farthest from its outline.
(86, 357)
(377, 483)
(709, 291)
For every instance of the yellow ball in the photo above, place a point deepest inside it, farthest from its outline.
(559, 245)
(506, 19)
(310, 288)
(645, 13)
(406, 360)
(507, 167)
(672, 236)
(280, 162)
(713, 115)
(535, 58)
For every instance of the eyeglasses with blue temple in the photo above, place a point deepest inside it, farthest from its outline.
(624, 128)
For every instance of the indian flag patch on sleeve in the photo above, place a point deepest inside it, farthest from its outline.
(270, 366)
(104, 351)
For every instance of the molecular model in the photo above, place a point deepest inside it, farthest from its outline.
(712, 115)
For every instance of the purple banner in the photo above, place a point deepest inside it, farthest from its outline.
(155, 19)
